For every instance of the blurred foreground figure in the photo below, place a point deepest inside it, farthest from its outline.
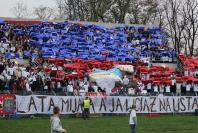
(56, 126)
(133, 119)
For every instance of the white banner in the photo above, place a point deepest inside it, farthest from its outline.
(35, 104)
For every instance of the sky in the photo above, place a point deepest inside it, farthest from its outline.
(7, 5)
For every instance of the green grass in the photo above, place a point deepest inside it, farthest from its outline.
(107, 124)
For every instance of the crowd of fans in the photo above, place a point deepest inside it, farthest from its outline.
(32, 77)
(26, 80)
(20, 79)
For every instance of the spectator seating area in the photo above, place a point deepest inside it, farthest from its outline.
(188, 65)
(160, 79)
(63, 57)
(73, 40)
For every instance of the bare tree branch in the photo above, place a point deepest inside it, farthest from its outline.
(20, 10)
(44, 13)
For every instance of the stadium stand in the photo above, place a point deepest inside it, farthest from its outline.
(75, 59)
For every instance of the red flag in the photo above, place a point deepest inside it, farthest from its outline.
(1, 104)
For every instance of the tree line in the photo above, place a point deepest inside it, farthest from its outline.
(178, 18)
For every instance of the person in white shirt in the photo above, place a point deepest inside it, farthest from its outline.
(56, 126)
(13, 49)
(60, 68)
(45, 87)
(86, 86)
(188, 87)
(161, 87)
(25, 74)
(28, 88)
(156, 91)
(33, 76)
(81, 83)
(5, 45)
(2, 50)
(149, 88)
(95, 87)
(8, 76)
(173, 82)
(195, 88)
(11, 70)
(86, 81)
(82, 91)
(125, 80)
(178, 88)
(131, 91)
(133, 119)
(70, 89)
(167, 89)
(125, 83)
(54, 68)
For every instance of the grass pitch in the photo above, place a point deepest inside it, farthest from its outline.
(106, 124)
